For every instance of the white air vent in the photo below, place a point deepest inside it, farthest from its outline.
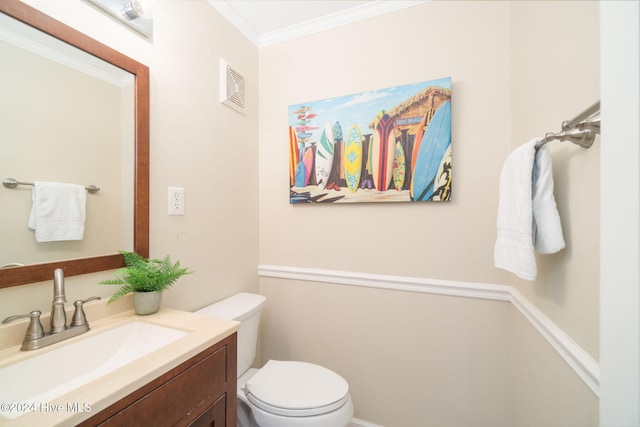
(231, 87)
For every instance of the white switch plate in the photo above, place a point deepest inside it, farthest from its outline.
(176, 201)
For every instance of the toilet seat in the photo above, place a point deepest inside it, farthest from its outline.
(296, 389)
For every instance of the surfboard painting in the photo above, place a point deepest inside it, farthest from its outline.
(396, 146)
(307, 161)
(399, 167)
(382, 153)
(353, 158)
(436, 141)
(324, 157)
(294, 156)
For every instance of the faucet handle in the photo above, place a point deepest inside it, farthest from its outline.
(34, 330)
(79, 318)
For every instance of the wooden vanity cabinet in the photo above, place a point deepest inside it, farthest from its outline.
(198, 392)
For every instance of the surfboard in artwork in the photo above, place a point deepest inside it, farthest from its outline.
(436, 141)
(385, 145)
(307, 161)
(294, 156)
(337, 132)
(382, 155)
(324, 156)
(399, 167)
(352, 159)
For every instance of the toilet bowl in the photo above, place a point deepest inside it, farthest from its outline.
(272, 402)
(281, 393)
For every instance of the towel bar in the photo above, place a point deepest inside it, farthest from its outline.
(581, 130)
(13, 183)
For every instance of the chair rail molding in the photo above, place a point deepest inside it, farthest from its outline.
(574, 355)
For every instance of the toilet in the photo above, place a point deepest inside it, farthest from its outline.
(281, 393)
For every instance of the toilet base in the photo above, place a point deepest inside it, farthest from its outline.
(245, 418)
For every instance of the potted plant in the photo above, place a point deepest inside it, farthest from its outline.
(147, 278)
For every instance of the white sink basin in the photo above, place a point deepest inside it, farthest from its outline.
(52, 374)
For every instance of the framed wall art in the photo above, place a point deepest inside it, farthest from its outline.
(387, 145)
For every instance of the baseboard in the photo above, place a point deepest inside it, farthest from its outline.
(361, 423)
(575, 356)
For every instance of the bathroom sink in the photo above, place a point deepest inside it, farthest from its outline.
(49, 375)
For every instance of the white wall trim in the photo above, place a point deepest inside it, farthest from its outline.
(620, 213)
(581, 362)
(355, 422)
(348, 16)
(236, 20)
(578, 359)
(355, 14)
(399, 283)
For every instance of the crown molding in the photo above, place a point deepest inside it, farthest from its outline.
(348, 16)
(236, 20)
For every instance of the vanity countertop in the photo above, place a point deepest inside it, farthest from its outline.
(85, 401)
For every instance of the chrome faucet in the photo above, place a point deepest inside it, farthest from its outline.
(58, 315)
(59, 331)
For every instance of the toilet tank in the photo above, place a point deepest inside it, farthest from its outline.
(244, 308)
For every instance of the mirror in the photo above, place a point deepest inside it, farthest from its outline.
(138, 154)
(66, 116)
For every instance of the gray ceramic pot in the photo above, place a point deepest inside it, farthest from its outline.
(147, 302)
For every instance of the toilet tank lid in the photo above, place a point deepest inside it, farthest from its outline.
(237, 307)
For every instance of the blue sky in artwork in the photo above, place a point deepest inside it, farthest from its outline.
(360, 108)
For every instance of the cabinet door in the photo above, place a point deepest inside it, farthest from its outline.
(179, 397)
(200, 391)
(214, 416)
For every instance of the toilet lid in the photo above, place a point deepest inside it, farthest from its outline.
(296, 389)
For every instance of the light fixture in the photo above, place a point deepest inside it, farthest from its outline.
(137, 9)
(135, 14)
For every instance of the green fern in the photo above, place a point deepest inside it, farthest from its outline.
(144, 275)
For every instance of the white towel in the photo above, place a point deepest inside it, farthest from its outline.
(527, 214)
(58, 211)
(548, 237)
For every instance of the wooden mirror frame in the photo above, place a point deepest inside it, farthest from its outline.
(14, 276)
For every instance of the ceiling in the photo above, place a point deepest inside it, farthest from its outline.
(267, 22)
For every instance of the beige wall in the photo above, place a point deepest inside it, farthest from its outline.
(410, 359)
(554, 76)
(468, 41)
(545, 392)
(207, 148)
(501, 97)
(469, 348)
(196, 143)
